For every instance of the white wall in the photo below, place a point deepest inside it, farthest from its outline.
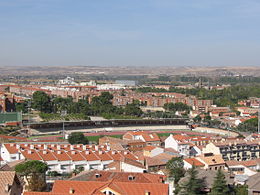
(130, 168)
(170, 142)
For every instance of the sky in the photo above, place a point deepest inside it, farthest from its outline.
(130, 32)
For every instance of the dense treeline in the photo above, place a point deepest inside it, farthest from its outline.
(250, 125)
(99, 106)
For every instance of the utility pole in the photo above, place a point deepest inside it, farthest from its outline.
(63, 114)
(258, 129)
(29, 116)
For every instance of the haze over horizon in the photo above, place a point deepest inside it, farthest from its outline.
(129, 33)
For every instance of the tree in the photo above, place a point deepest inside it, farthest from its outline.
(197, 119)
(77, 138)
(41, 102)
(191, 185)
(219, 186)
(102, 104)
(34, 173)
(241, 190)
(248, 125)
(22, 107)
(78, 170)
(175, 168)
(133, 109)
(176, 107)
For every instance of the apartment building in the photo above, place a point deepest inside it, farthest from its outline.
(240, 150)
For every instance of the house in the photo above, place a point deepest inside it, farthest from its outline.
(10, 183)
(249, 167)
(126, 165)
(211, 148)
(179, 143)
(240, 170)
(152, 151)
(110, 187)
(119, 144)
(148, 138)
(254, 184)
(211, 161)
(189, 162)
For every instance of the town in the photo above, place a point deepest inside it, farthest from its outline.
(82, 137)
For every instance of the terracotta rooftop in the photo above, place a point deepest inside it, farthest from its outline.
(212, 160)
(194, 161)
(149, 148)
(7, 178)
(247, 163)
(91, 187)
(118, 177)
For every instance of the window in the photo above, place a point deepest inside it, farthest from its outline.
(107, 192)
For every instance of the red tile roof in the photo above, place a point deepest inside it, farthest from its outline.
(31, 154)
(195, 162)
(120, 187)
(149, 148)
(118, 177)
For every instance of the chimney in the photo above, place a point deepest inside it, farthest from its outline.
(113, 152)
(45, 146)
(73, 152)
(59, 152)
(71, 147)
(12, 144)
(125, 152)
(29, 151)
(171, 186)
(7, 187)
(52, 145)
(147, 193)
(71, 191)
(58, 147)
(100, 152)
(96, 147)
(17, 146)
(44, 152)
(31, 146)
(84, 147)
(87, 152)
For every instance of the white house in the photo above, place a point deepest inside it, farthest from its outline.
(180, 145)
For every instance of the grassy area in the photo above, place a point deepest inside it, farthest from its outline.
(35, 137)
(165, 134)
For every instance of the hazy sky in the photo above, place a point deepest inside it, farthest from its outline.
(130, 32)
